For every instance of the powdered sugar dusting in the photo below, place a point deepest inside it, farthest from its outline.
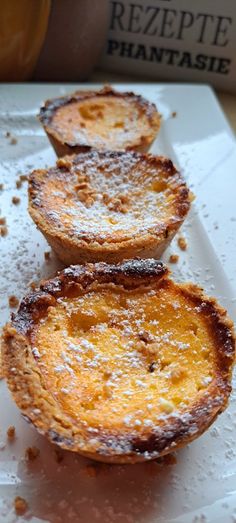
(108, 197)
(123, 356)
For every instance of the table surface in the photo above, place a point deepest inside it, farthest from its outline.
(204, 152)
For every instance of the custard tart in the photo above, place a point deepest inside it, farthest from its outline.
(104, 119)
(118, 362)
(108, 206)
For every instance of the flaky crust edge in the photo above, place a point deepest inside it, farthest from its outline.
(38, 407)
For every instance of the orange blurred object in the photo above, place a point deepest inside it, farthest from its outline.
(23, 25)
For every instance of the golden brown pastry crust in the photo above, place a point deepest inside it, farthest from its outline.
(101, 206)
(126, 445)
(131, 135)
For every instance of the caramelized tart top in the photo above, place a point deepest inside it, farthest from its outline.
(109, 197)
(104, 119)
(119, 359)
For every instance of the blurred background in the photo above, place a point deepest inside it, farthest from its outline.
(105, 40)
(51, 40)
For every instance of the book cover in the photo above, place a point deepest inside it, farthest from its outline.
(175, 40)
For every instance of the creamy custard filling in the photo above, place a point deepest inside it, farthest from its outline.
(114, 356)
(101, 121)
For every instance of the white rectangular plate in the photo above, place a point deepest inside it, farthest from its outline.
(200, 487)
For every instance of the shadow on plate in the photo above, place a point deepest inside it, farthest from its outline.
(64, 487)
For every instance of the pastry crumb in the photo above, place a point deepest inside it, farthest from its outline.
(47, 255)
(11, 432)
(15, 200)
(62, 163)
(1, 186)
(3, 231)
(118, 203)
(182, 243)
(32, 453)
(85, 193)
(2, 220)
(20, 505)
(23, 177)
(13, 140)
(174, 258)
(18, 184)
(33, 285)
(174, 114)
(82, 185)
(13, 301)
